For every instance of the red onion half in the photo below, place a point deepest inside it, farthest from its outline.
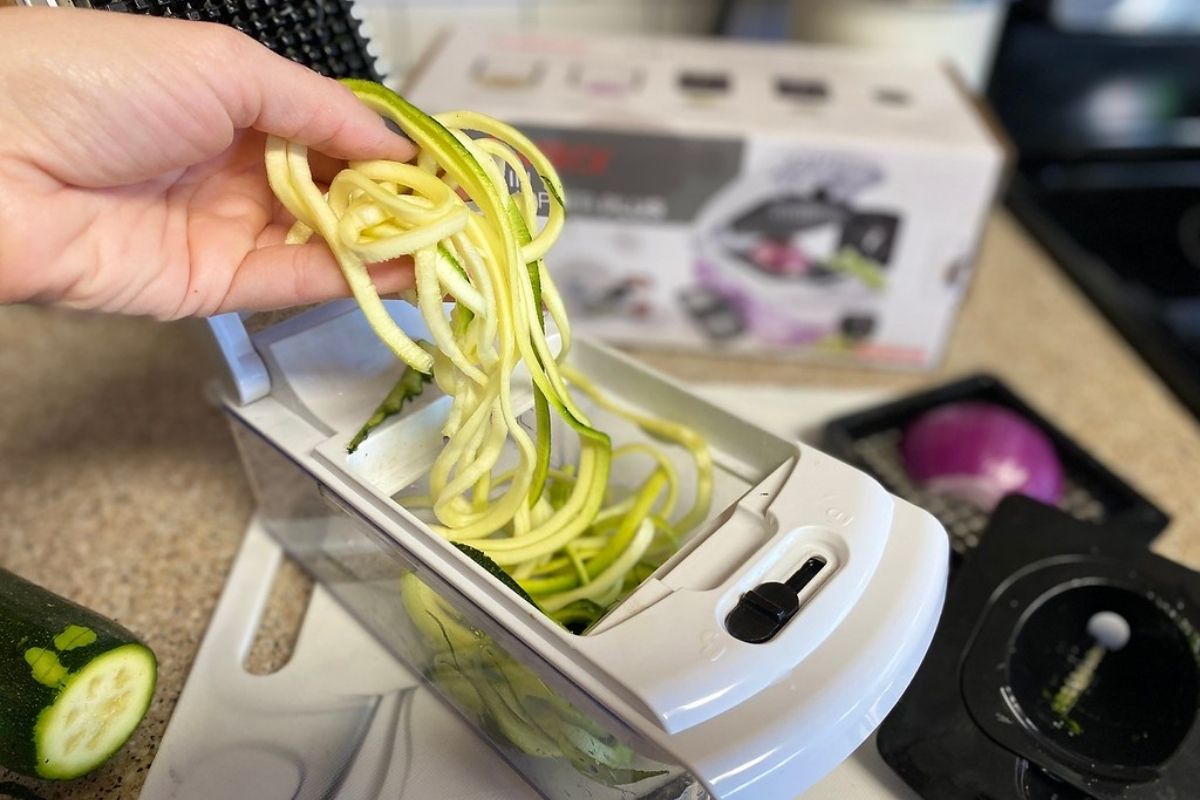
(980, 452)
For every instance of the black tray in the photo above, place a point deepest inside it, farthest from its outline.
(976, 722)
(870, 440)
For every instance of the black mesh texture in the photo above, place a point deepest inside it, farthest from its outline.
(320, 34)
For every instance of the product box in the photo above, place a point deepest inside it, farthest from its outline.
(766, 200)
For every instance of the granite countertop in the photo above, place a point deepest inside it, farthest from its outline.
(121, 489)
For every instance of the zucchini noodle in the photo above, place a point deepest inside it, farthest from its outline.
(465, 211)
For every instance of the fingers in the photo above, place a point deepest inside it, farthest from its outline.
(281, 276)
(146, 96)
(282, 98)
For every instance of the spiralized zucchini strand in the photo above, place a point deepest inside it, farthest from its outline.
(479, 243)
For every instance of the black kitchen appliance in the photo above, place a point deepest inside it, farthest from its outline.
(1018, 699)
(1106, 122)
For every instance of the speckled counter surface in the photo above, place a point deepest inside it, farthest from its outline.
(121, 489)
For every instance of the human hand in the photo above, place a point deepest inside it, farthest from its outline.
(131, 166)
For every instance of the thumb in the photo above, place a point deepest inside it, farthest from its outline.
(282, 276)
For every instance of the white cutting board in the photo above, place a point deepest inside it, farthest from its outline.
(325, 726)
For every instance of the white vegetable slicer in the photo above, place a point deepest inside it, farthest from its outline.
(747, 666)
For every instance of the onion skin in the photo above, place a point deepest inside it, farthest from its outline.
(980, 452)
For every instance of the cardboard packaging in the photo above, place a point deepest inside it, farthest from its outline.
(767, 200)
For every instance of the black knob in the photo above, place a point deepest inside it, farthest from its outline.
(764, 610)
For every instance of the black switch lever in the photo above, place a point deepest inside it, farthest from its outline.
(803, 576)
(763, 611)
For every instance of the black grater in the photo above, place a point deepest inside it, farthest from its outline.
(321, 34)
(870, 440)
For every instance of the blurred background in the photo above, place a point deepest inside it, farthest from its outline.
(963, 30)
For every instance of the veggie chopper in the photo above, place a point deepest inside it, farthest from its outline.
(747, 666)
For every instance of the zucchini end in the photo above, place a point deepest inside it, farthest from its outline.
(95, 713)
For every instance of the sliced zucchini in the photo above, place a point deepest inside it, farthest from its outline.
(73, 684)
(95, 713)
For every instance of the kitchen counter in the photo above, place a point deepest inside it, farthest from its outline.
(121, 489)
